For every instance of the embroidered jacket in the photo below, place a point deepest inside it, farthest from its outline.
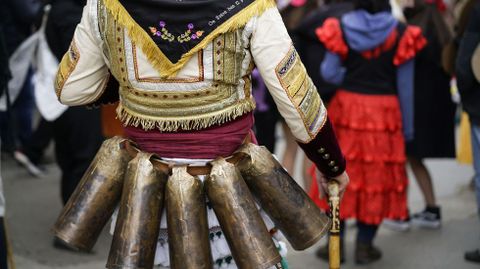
(210, 84)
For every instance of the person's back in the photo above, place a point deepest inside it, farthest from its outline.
(194, 81)
(369, 45)
(184, 69)
(370, 56)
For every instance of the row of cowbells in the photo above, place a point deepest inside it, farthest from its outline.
(132, 181)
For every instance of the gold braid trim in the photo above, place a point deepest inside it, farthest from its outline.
(156, 57)
(66, 67)
(197, 122)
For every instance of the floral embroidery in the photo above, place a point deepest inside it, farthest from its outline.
(188, 35)
(163, 33)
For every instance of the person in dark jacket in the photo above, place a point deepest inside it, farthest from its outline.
(311, 50)
(77, 132)
(469, 88)
(20, 17)
(434, 108)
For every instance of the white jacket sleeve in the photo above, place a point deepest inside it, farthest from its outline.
(286, 78)
(83, 73)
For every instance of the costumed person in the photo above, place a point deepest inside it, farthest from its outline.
(434, 109)
(468, 81)
(371, 55)
(184, 72)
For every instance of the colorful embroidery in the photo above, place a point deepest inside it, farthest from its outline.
(167, 66)
(188, 35)
(302, 93)
(288, 64)
(194, 109)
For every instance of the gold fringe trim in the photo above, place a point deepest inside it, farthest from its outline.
(128, 118)
(164, 66)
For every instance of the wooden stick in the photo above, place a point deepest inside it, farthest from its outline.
(334, 239)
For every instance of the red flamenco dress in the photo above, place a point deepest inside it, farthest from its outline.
(367, 119)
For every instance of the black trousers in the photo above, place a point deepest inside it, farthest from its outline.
(39, 141)
(17, 130)
(265, 124)
(78, 136)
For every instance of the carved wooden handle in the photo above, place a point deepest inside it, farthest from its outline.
(334, 240)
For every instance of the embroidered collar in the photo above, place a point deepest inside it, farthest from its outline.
(171, 31)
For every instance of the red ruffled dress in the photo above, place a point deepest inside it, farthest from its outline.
(367, 120)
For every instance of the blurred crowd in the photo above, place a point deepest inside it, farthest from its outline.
(398, 77)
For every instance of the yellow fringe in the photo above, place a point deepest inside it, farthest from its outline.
(129, 118)
(164, 66)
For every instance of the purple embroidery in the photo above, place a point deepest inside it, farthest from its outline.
(188, 35)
